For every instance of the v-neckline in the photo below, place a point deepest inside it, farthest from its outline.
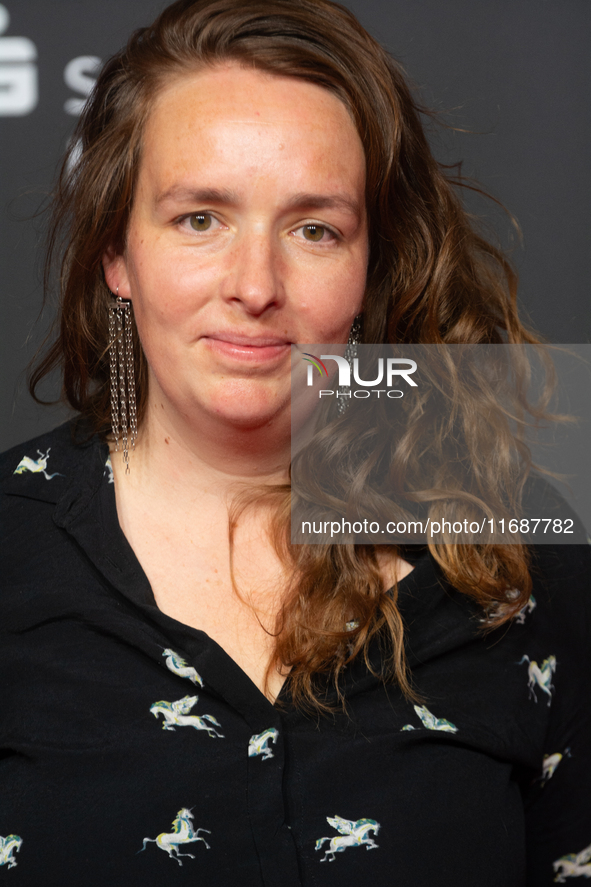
(113, 554)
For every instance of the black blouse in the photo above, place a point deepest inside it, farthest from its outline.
(134, 751)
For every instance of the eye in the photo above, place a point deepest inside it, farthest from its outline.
(200, 221)
(313, 232)
(316, 233)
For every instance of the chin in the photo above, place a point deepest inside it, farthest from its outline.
(253, 419)
(248, 405)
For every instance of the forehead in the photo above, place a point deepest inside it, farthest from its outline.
(244, 121)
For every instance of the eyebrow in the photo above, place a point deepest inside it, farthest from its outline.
(196, 195)
(325, 201)
(183, 194)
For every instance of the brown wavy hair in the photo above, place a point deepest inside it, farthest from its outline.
(432, 279)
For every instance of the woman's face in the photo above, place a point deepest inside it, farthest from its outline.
(248, 233)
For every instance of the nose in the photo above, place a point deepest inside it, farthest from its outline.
(254, 278)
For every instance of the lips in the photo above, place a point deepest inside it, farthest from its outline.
(253, 349)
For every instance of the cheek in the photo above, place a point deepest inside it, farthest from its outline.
(165, 293)
(333, 303)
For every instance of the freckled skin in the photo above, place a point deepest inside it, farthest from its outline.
(248, 222)
(256, 143)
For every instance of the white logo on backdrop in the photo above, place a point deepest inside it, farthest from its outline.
(78, 75)
(19, 90)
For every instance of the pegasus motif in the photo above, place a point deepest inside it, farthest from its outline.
(573, 865)
(259, 743)
(108, 472)
(177, 665)
(178, 713)
(8, 846)
(354, 834)
(540, 676)
(432, 723)
(182, 833)
(550, 763)
(528, 608)
(36, 466)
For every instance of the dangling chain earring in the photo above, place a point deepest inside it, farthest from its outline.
(123, 405)
(344, 393)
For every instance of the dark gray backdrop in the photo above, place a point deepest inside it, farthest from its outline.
(513, 72)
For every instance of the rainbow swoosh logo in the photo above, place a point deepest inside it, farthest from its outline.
(315, 361)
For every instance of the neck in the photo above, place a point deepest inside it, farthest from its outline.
(189, 456)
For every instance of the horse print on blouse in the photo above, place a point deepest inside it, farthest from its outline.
(108, 472)
(353, 834)
(540, 675)
(550, 763)
(573, 865)
(259, 743)
(178, 666)
(36, 466)
(9, 845)
(430, 721)
(528, 608)
(182, 833)
(177, 714)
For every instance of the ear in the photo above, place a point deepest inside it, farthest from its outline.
(116, 276)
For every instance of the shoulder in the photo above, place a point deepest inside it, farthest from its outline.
(541, 494)
(38, 472)
(32, 476)
(37, 478)
(46, 457)
(550, 516)
(561, 576)
(560, 554)
(50, 445)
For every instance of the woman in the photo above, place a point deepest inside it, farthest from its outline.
(254, 175)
